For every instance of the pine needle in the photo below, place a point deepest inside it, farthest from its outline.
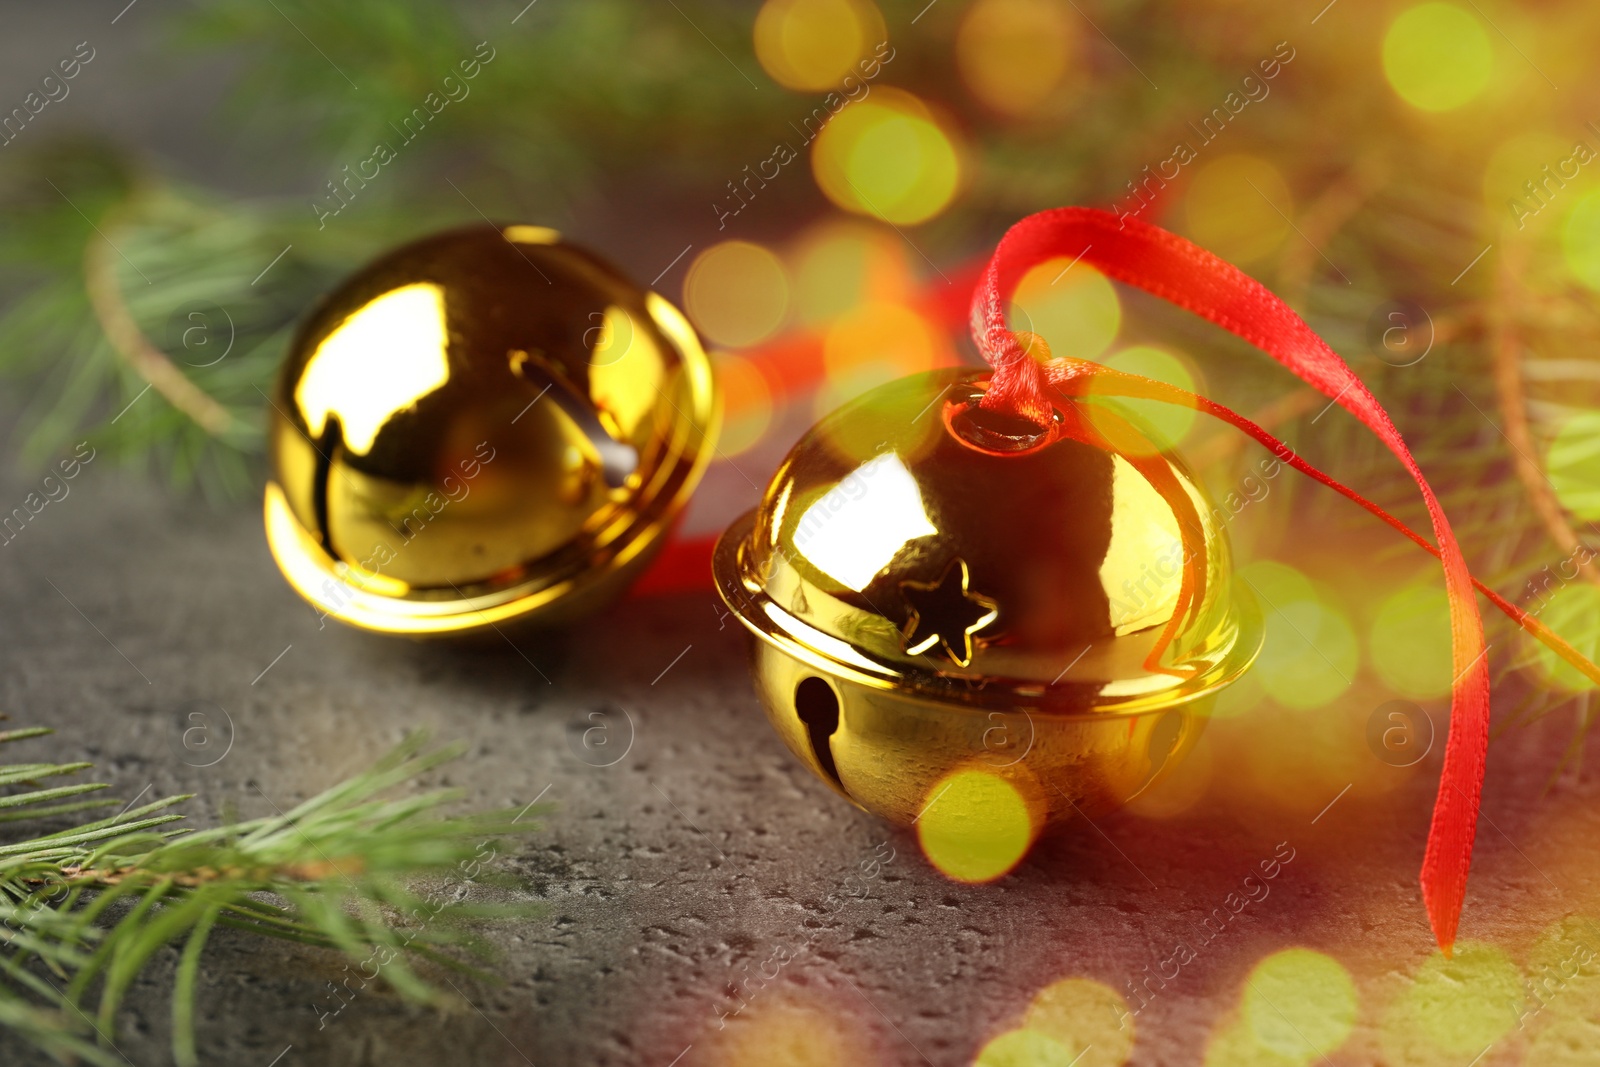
(83, 910)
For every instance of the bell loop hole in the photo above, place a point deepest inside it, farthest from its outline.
(998, 432)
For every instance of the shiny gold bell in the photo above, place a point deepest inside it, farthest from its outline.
(487, 425)
(936, 589)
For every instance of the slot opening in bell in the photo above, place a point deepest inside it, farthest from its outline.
(818, 707)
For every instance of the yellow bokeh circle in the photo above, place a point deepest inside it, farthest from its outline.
(812, 45)
(890, 337)
(1164, 424)
(1437, 56)
(785, 1027)
(975, 826)
(1024, 1048)
(1015, 54)
(839, 265)
(1235, 1045)
(737, 293)
(1300, 1003)
(1410, 642)
(1072, 306)
(1572, 609)
(1456, 1007)
(1573, 464)
(1310, 655)
(1580, 239)
(1519, 161)
(746, 403)
(1088, 1017)
(888, 156)
(1239, 207)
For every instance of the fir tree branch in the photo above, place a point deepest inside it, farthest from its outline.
(84, 909)
(1506, 346)
(128, 340)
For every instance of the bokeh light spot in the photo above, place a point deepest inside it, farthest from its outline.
(746, 403)
(838, 266)
(1456, 1006)
(1014, 54)
(1564, 971)
(976, 826)
(1565, 1042)
(1410, 642)
(1024, 1048)
(888, 156)
(1516, 162)
(812, 45)
(1165, 424)
(1573, 464)
(779, 1027)
(1239, 207)
(1580, 239)
(1572, 610)
(1235, 1045)
(1300, 1003)
(1310, 655)
(1437, 56)
(1087, 1017)
(737, 293)
(889, 337)
(1073, 307)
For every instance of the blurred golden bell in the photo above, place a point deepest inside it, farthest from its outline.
(486, 425)
(934, 588)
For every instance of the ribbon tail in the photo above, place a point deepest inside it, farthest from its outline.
(1184, 274)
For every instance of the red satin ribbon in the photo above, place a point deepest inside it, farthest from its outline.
(1176, 270)
(1172, 268)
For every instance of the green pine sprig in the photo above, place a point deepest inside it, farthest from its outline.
(83, 909)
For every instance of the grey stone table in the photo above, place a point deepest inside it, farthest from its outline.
(704, 853)
(670, 877)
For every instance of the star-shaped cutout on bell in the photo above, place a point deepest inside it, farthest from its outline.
(946, 612)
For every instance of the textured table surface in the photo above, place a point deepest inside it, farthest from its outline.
(672, 876)
(704, 853)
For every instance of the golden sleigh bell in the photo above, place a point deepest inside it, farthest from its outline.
(934, 589)
(487, 425)
(491, 425)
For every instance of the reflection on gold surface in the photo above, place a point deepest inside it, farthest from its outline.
(625, 373)
(531, 235)
(1142, 576)
(854, 529)
(405, 325)
(484, 425)
(947, 609)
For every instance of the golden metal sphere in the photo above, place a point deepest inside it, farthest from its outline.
(488, 424)
(933, 588)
